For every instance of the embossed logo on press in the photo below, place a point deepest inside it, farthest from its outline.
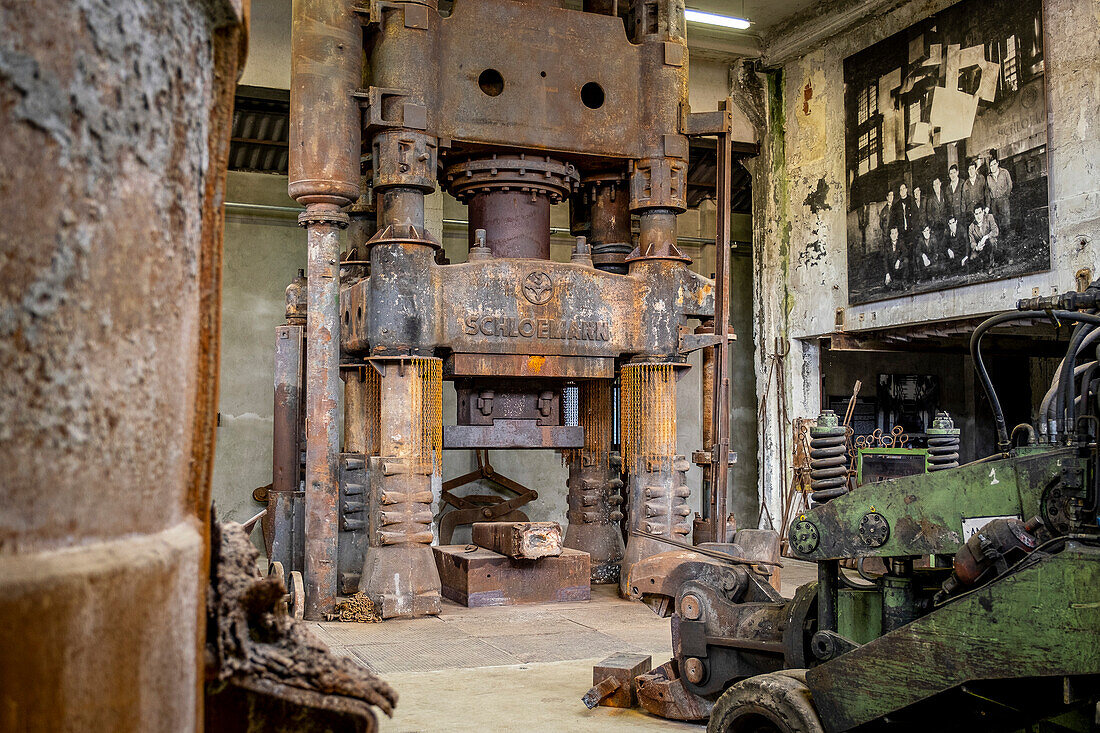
(538, 287)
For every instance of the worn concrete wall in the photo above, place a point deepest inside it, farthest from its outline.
(801, 257)
(113, 137)
(263, 254)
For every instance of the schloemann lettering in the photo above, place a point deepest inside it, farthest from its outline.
(538, 328)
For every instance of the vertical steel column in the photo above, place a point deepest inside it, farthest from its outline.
(326, 69)
(594, 484)
(720, 412)
(323, 223)
(399, 573)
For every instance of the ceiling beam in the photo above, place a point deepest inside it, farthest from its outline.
(797, 35)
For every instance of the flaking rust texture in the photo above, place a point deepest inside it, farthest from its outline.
(113, 132)
(102, 163)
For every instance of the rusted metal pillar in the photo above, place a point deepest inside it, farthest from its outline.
(283, 523)
(326, 68)
(657, 487)
(399, 573)
(594, 500)
(109, 350)
(656, 477)
(323, 223)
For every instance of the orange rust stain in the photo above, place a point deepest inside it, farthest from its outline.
(534, 363)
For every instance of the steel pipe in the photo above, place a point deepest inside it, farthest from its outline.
(323, 223)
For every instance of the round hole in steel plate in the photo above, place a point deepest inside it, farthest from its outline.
(592, 95)
(491, 82)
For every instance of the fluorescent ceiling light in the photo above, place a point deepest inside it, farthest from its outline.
(725, 21)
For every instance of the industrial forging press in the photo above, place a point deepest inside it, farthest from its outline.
(511, 106)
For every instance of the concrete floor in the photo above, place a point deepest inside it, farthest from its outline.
(516, 667)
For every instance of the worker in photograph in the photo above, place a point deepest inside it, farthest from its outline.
(884, 215)
(955, 245)
(901, 215)
(999, 183)
(926, 258)
(974, 188)
(919, 205)
(983, 239)
(935, 208)
(896, 257)
(954, 193)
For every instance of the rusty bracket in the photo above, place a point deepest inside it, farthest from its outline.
(694, 341)
(697, 124)
(413, 114)
(728, 120)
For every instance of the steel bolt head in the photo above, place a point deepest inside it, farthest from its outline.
(690, 608)
(694, 670)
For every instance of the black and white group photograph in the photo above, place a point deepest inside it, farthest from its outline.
(946, 152)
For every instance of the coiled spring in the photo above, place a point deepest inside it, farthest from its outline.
(943, 443)
(828, 461)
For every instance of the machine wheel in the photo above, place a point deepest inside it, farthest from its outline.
(777, 702)
(296, 596)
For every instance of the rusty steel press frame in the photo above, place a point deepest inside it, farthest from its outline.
(511, 106)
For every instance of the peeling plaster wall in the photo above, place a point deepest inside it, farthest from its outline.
(800, 204)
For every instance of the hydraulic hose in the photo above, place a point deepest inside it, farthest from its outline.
(1067, 415)
(1003, 442)
(1047, 407)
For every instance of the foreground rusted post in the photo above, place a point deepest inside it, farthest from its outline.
(114, 134)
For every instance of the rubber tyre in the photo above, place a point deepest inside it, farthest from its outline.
(777, 702)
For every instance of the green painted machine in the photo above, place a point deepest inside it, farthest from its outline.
(984, 612)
